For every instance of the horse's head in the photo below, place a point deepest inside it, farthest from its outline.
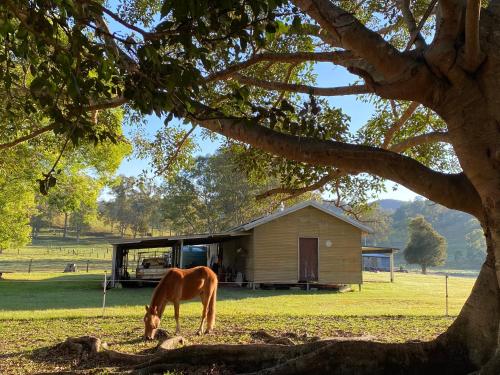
(151, 322)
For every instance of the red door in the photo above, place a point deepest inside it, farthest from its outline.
(308, 259)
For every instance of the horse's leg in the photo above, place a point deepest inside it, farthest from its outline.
(211, 309)
(204, 300)
(176, 315)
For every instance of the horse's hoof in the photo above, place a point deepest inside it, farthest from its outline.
(199, 333)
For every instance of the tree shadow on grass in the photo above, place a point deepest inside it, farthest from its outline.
(78, 291)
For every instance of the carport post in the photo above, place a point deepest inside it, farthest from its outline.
(391, 261)
(180, 257)
(113, 266)
(104, 293)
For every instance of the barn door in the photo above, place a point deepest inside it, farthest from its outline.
(308, 259)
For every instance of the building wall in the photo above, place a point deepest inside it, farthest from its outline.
(275, 248)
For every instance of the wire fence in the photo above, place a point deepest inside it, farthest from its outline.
(409, 294)
(56, 259)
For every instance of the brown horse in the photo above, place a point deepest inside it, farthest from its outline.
(178, 285)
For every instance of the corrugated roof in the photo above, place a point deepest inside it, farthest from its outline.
(322, 207)
(192, 239)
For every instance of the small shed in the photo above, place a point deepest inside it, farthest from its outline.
(309, 242)
(379, 259)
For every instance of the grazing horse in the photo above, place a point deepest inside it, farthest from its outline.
(178, 285)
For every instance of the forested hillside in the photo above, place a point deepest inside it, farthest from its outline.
(462, 232)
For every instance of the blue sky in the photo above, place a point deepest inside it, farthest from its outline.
(327, 76)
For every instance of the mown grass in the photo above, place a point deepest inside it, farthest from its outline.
(40, 309)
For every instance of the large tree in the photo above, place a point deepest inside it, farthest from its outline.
(223, 65)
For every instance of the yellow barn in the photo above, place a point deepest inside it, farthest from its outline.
(306, 243)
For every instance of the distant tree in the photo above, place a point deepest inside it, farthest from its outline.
(451, 224)
(426, 246)
(216, 194)
(144, 202)
(117, 210)
(134, 205)
(380, 221)
(476, 246)
(75, 196)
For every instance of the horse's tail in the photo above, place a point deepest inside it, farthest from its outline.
(211, 308)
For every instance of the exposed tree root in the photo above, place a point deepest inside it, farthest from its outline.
(331, 356)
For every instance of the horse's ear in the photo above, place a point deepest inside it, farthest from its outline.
(147, 308)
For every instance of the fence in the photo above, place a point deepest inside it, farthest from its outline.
(55, 259)
(409, 295)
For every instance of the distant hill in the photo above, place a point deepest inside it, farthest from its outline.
(389, 204)
(453, 225)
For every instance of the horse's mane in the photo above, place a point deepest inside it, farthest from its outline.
(156, 298)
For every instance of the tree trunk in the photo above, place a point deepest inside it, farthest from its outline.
(424, 269)
(65, 224)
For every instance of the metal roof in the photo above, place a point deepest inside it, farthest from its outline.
(322, 207)
(167, 241)
(372, 250)
(241, 230)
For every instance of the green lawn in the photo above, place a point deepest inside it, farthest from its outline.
(40, 309)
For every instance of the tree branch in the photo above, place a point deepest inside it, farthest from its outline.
(416, 33)
(315, 30)
(91, 108)
(113, 103)
(32, 135)
(449, 25)
(399, 123)
(355, 37)
(451, 190)
(110, 43)
(118, 19)
(393, 108)
(178, 148)
(472, 50)
(420, 140)
(294, 192)
(275, 57)
(305, 89)
(416, 36)
(287, 80)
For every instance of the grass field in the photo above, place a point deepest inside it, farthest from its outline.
(52, 254)
(40, 309)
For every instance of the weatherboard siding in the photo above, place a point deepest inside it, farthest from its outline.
(275, 248)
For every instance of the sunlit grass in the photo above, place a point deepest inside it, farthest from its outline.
(41, 309)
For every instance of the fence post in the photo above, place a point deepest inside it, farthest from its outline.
(446, 278)
(29, 268)
(104, 293)
(87, 266)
